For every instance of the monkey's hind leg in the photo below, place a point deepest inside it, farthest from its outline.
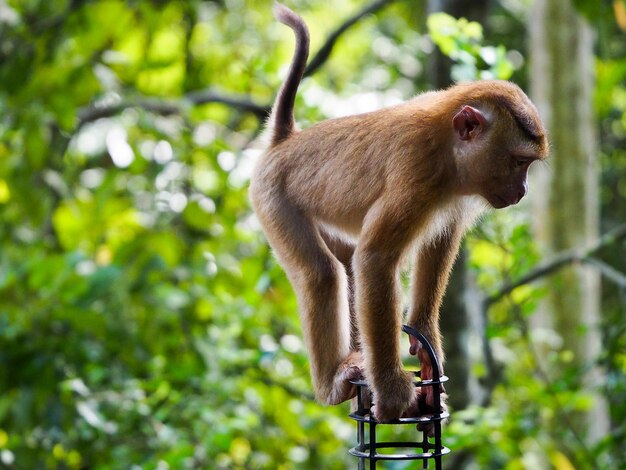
(343, 250)
(321, 286)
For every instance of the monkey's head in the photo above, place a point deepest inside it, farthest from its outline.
(495, 142)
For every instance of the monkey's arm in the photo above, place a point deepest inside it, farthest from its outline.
(430, 278)
(379, 310)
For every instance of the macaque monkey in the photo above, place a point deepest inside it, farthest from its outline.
(344, 202)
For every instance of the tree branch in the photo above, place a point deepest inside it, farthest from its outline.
(323, 53)
(607, 271)
(199, 97)
(239, 102)
(565, 258)
(168, 107)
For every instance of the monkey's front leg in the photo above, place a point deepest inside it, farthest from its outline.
(432, 271)
(379, 316)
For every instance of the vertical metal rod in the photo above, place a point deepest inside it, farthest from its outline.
(361, 463)
(425, 448)
(437, 410)
(372, 444)
(437, 403)
(360, 425)
(436, 389)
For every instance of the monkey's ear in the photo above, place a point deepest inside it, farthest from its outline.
(469, 122)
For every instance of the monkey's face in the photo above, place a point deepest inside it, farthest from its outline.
(507, 182)
(495, 155)
(510, 188)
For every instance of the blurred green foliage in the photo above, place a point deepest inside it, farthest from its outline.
(461, 40)
(143, 320)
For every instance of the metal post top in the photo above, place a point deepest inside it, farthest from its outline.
(370, 448)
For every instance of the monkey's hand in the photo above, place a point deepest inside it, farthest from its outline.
(393, 396)
(426, 368)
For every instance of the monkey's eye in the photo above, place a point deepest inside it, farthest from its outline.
(522, 161)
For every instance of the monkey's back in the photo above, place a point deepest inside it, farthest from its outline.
(335, 170)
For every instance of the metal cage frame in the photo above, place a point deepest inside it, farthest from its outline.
(368, 448)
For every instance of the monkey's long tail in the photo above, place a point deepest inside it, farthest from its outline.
(282, 120)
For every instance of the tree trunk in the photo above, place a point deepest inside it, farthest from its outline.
(565, 193)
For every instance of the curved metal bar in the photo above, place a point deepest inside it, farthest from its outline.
(417, 383)
(413, 420)
(365, 452)
(427, 346)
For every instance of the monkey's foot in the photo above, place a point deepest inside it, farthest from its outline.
(350, 369)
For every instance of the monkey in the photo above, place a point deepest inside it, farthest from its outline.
(346, 202)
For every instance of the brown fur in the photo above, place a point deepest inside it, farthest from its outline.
(342, 201)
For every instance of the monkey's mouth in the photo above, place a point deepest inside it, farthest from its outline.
(498, 202)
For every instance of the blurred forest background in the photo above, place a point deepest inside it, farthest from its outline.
(143, 320)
